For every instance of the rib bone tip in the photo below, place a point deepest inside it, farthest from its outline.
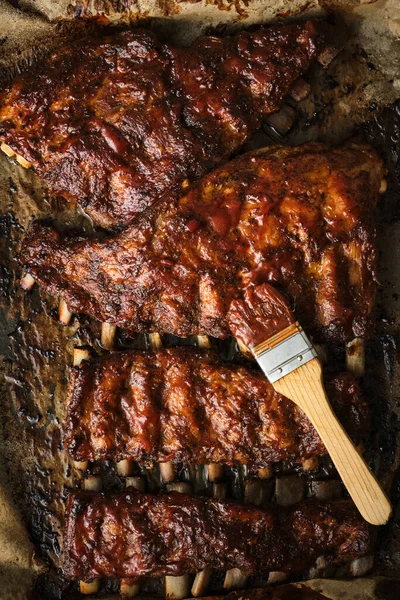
(125, 467)
(92, 484)
(177, 588)
(383, 186)
(265, 472)
(24, 163)
(244, 349)
(310, 464)
(80, 354)
(167, 472)
(155, 341)
(129, 590)
(355, 357)
(64, 314)
(7, 150)
(108, 332)
(215, 472)
(201, 582)
(203, 341)
(89, 588)
(27, 282)
(234, 579)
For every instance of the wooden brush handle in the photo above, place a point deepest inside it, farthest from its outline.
(305, 387)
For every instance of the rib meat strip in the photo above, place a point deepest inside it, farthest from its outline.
(131, 535)
(115, 121)
(301, 219)
(186, 405)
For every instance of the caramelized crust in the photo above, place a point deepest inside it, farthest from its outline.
(116, 121)
(131, 535)
(185, 405)
(302, 219)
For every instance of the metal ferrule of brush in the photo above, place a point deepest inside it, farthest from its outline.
(284, 352)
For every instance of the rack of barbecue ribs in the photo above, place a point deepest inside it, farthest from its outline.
(302, 219)
(115, 122)
(186, 405)
(133, 535)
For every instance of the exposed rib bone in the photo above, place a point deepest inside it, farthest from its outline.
(183, 487)
(327, 55)
(108, 332)
(7, 150)
(383, 187)
(203, 341)
(277, 577)
(89, 588)
(137, 482)
(266, 472)
(355, 357)
(24, 163)
(129, 590)
(167, 472)
(10, 152)
(310, 464)
(92, 484)
(234, 579)
(155, 341)
(80, 354)
(27, 282)
(177, 588)
(64, 314)
(244, 349)
(254, 492)
(361, 566)
(125, 467)
(215, 472)
(81, 465)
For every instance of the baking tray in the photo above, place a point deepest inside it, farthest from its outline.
(348, 98)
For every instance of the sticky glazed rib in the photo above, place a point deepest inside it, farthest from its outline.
(302, 219)
(114, 122)
(131, 535)
(186, 405)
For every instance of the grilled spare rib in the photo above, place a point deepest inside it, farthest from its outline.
(115, 121)
(302, 219)
(186, 405)
(134, 535)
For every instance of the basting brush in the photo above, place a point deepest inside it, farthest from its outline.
(264, 322)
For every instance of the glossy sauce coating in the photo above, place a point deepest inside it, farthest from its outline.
(301, 219)
(115, 122)
(262, 313)
(185, 405)
(132, 535)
